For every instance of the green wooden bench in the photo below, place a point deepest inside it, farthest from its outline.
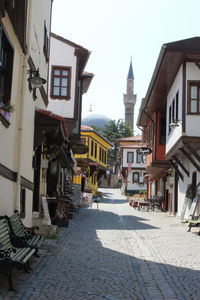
(11, 257)
(22, 236)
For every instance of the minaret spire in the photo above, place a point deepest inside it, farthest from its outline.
(130, 72)
(129, 97)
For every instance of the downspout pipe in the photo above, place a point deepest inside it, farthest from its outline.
(148, 116)
(140, 128)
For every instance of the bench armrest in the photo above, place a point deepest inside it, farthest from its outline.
(5, 254)
(31, 230)
(19, 241)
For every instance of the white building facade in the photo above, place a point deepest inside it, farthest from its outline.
(25, 29)
(182, 133)
(132, 165)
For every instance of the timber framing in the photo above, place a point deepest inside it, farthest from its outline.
(177, 169)
(181, 165)
(26, 183)
(190, 159)
(7, 173)
(196, 155)
(171, 57)
(182, 142)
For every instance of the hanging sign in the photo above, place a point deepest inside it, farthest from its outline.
(144, 150)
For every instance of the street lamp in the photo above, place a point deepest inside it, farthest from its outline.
(34, 79)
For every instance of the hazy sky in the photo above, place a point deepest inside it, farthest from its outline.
(115, 30)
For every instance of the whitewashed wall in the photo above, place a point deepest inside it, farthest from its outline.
(134, 164)
(17, 140)
(177, 131)
(137, 168)
(62, 54)
(38, 14)
(136, 186)
(9, 135)
(192, 121)
(182, 186)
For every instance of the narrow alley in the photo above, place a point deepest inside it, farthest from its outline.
(115, 253)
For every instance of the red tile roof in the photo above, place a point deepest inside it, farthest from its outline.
(131, 138)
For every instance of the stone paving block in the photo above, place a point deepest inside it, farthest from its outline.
(115, 253)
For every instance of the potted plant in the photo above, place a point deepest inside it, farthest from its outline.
(6, 110)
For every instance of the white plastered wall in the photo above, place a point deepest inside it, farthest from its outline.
(138, 167)
(176, 132)
(38, 14)
(192, 121)
(182, 186)
(10, 135)
(62, 54)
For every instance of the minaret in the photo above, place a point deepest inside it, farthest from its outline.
(130, 98)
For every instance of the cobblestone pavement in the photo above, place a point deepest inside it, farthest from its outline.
(114, 253)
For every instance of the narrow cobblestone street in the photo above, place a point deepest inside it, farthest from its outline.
(114, 253)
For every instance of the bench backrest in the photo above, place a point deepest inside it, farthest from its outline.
(16, 225)
(5, 242)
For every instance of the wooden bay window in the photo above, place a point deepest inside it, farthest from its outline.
(193, 103)
(61, 82)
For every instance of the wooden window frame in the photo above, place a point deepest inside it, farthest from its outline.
(61, 68)
(191, 83)
(169, 120)
(6, 57)
(95, 150)
(177, 107)
(22, 202)
(128, 157)
(92, 148)
(137, 156)
(173, 111)
(138, 175)
(46, 43)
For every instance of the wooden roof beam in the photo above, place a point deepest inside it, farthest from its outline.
(190, 159)
(181, 165)
(196, 155)
(177, 169)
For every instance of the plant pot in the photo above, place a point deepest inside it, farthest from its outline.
(7, 115)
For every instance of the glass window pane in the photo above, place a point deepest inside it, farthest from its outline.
(135, 177)
(193, 107)
(65, 73)
(56, 72)
(56, 81)
(130, 157)
(64, 82)
(56, 91)
(193, 92)
(63, 92)
(139, 157)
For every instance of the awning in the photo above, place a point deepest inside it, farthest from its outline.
(47, 126)
(157, 167)
(79, 147)
(65, 157)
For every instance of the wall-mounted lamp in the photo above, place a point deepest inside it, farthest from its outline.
(34, 79)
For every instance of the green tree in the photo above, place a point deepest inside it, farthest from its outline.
(113, 131)
(116, 130)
